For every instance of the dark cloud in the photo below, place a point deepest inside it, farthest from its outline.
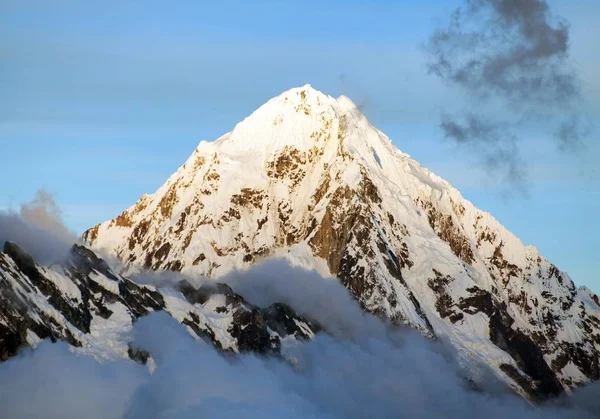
(511, 48)
(493, 143)
(515, 55)
(571, 132)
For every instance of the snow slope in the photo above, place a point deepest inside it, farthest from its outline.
(307, 177)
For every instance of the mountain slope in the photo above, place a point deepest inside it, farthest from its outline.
(85, 303)
(307, 177)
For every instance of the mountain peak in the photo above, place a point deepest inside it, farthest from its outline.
(306, 177)
(300, 118)
(307, 89)
(304, 120)
(343, 102)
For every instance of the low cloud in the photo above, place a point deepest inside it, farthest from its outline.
(43, 212)
(320, 299)
(38, 228)
(362, 369)
(329, 378)
(52, 382)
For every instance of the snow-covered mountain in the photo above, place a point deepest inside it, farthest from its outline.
(85, 303)
(308, 178)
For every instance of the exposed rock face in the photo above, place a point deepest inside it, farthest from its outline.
(254, 329)
(307, 177)
(85, 303)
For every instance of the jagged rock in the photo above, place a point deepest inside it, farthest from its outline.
(283, 320)
(250, 330)
(85, 261)
(85, 295)
(138, 355)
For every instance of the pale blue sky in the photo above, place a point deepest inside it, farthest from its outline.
(100, 103)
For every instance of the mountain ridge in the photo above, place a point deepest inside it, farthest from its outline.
(308, 178)
(83, 302)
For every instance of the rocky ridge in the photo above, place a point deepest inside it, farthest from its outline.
(85, 303)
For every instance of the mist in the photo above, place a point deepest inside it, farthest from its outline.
(38, 228)
(359, 368)
(323, 300)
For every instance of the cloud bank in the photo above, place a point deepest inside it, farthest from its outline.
(362, 369)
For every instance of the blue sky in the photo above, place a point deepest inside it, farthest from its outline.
(101, 101)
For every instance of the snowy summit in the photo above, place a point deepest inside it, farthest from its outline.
(306, 177)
